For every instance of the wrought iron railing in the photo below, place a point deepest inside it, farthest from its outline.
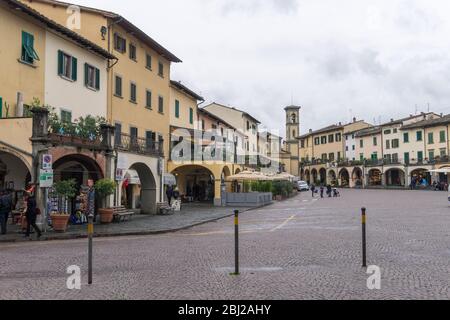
(138, 145)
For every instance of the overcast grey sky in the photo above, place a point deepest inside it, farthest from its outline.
(337, 59)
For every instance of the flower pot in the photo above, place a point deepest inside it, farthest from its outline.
(59, 222)
(106, 215)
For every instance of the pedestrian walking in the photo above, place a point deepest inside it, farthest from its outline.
(313, 190)
(329, 191)
(31, 215)
(5, 209)
(169, 194)
(322, 189)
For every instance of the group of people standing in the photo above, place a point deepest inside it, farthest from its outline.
(31, 211)
(330, 191)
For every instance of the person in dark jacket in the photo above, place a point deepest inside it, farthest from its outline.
(322, 189)
(5, 209)
(313, 189)
(169, 194)
(329, 191)
(31, 215)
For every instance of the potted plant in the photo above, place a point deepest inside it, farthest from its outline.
(104, 188)
(64, 191)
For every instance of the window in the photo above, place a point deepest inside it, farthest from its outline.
(443, 152)
(203, 124)
(338, 137)
(148, 99)
(331, 138)
(133, 90)
(339, 155)
(66, 116)
(420, 156)
(361, 157)
(148, 62)
(395, 130)
(177, 109)
(160, 69)
(430, 155)
(120, 44)
(442, 136)
(91, 77)
(134, 135)
(430, 138)
(406, 157)
(361, 143)
(387, 131)
(191, 116)
(395, 157)
(323, 140)
(133, 52)
(346, 148)
(331, 157)
(213, 126)
(302, 144)
(67, 66)
(374, 156)
(353, 147)
(1, 107)
(419, 136)
(395, 143)
(375, 141)
(28, 53)
(118, 86)
(161, 104)
(388, 144)
(150, 138)
(406, 137)
(324, 156)
(317, 141)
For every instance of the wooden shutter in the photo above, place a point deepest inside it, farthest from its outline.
(177, 108)
(1, 106)
(74, 68)
(60, 62)
(97, 79)
(86, 74)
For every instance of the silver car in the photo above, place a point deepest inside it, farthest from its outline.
(302, 186)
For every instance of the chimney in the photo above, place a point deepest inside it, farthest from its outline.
(354, 119)
(392, 120)
(310, 130)
(340, 123)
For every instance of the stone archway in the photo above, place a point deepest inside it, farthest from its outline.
(375, 177)
(323, 176)
(196, 183)
(147, 188)
(14, 172)
(395, 177)
(314, 175)
(332, 178)
(357, 177)
(307, 176)
(344, 178)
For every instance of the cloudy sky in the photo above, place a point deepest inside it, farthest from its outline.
(374, 60)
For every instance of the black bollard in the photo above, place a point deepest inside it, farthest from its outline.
(364, 244)
(90, 236)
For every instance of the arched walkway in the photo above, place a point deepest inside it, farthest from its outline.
(375, 177)
(421, 177)
(332, 178)
(357, 177)
(307, 176)
(344, 177)
(314, 176)
(323, 176)
(14, 172)
(142, 194)
(196, 183)
(395, 177)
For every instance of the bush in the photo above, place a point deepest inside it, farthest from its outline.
(105, 187)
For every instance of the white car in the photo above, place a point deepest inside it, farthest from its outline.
(302, 186)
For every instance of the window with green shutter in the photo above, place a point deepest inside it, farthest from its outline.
(29, 54)
(91, 77)
(420, 156)
(419, 136)
(442, 136)
(161, 104)
(1, 107)
(406, 156)
(118, 86)
(148, 99)
(430, 138)
(133, 94)
(66, 116)
(406, 137)
(177, 109)
(67, 66)
(191, 116)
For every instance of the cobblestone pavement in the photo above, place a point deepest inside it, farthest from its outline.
(297, 249)
(191, 215)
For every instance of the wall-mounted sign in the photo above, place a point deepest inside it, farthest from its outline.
(47, 161)
(46, 178)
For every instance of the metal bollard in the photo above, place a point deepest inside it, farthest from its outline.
(90, 237)
(236, 242)
(364, 244)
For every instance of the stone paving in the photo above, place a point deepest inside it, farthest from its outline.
(191, 215)
(296, 249)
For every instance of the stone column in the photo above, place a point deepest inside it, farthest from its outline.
(218, 192)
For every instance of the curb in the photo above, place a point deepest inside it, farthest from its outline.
(125, 234)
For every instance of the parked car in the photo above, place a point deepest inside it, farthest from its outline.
(302, 186)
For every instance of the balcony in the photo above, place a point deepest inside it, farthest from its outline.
(144, 146)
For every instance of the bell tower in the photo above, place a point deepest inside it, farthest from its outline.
(292, 132)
